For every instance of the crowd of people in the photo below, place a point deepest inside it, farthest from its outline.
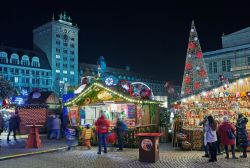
(224, 133)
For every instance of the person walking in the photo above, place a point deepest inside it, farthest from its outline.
(121, 129)
(14, 125)
(102, 126)
(49, 125)
(203, 123)
(242, 134)
(227, 133)
(211, 138)
(56, 128)
(87, 134)
(70, 134)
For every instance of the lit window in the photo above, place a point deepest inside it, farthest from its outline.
(16, 79)
(57, 56)
(64, 71)
(72, 72)
(61, 82)
(65, 79)
(57, 71)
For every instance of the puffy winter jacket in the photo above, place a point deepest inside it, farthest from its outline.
(102, 125)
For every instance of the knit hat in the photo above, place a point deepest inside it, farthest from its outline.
(225, 118)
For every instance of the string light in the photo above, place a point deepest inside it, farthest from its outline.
(87, 90)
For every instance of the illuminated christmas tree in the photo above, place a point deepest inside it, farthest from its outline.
(195, 77)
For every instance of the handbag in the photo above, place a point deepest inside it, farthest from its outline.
(231, 134)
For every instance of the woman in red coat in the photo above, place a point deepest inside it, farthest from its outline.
(227, 133)
(102, 127)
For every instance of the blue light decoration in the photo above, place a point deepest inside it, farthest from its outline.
(17, 100)
(110, 80)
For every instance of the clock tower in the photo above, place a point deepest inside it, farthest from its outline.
(58, 39)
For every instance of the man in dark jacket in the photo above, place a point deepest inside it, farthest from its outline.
(14, 125)
(121, 129)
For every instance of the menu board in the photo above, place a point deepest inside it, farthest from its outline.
(131, 111)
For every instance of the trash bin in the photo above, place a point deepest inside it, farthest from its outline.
(149, 147)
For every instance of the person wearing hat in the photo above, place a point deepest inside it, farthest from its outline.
(87, 134)
(227, 133)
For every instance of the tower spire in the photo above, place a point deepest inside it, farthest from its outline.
(53, 17)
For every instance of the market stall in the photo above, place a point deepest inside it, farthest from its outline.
(229, 99)
(99, 98)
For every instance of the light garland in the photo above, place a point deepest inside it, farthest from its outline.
(129, 99)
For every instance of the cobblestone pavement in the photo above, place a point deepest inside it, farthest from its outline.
(15, 148)
(82, 158)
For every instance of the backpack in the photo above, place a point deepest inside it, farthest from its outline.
(230, 134)
(124, 126)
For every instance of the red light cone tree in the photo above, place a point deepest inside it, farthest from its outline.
(195, 76)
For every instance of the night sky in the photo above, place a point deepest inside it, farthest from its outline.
(149, 36)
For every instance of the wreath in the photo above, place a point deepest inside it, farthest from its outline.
(87, 100)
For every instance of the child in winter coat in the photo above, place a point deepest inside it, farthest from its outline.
(87, 134)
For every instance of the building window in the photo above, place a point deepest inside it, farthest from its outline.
(58, 42)
(65, 66)
(37, 73)
(23, 80)
(72, 52)
(58, 56)
(16, 71)
(72, 66)
(224, 68)
(58, 35)
(25, 60)
(72, 72)
(64, 71)
(35, 62)
(65, 79)
(27, 72)
(3, 57)
(27, 80)
(72, 39)
(72, 59)
(57, 49)
(65, 51)
(72, 45)
(57, 64)
(228, 65)
(33, 72)
(16, 79)
(65, 44)
(57, 71)
(64, 58)
(210, 67)
(215, 67)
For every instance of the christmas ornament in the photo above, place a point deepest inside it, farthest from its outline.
(199, 55)
(188, 66)
(197, 85)
(192, 30)
(202, 73)
(195, 39)
(188, 90)
(197, 68)
(189, 55)
(187, 79)
(191, 45)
